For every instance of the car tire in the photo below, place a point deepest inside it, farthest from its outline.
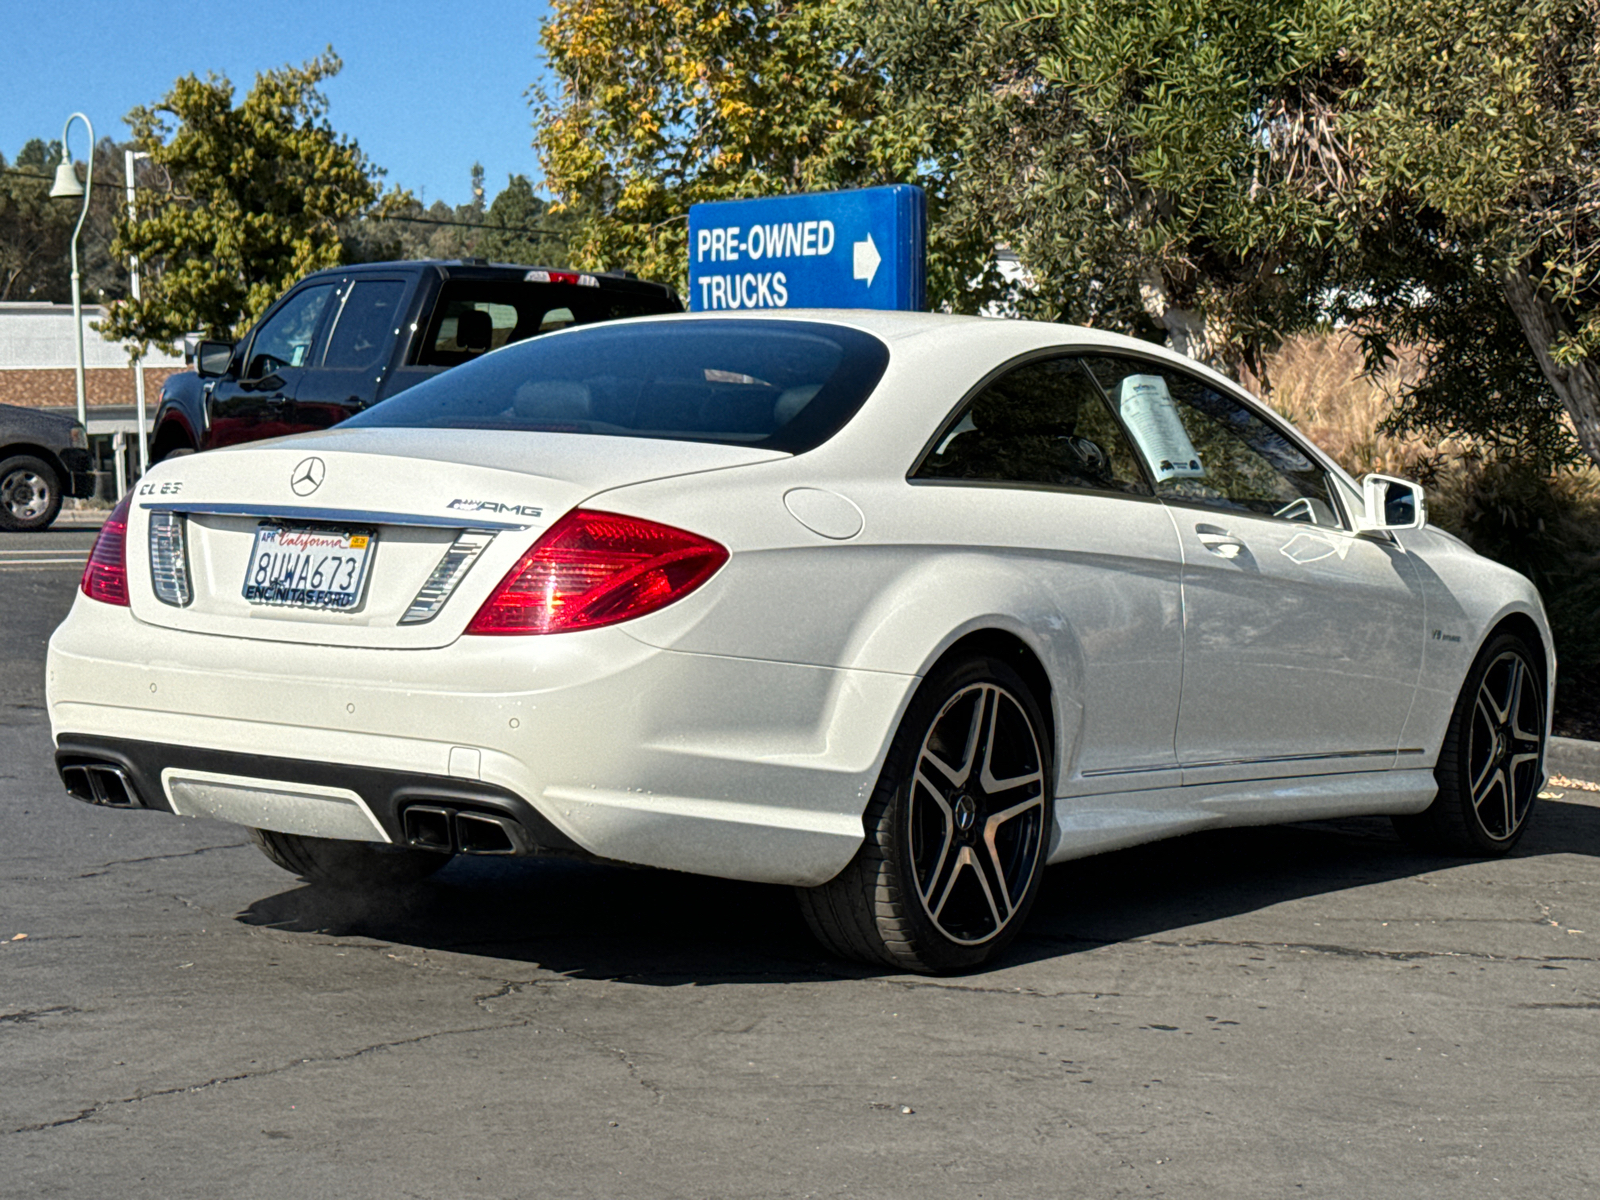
(336, 863)
(30, 493)
(949, 868)
(1491, 765)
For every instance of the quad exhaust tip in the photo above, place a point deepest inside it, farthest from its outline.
(105, 784)
(458, 831)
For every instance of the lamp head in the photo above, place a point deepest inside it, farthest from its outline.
(66, 185)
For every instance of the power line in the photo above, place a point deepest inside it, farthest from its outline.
(471, 225)
(390, 217)
(118, 187)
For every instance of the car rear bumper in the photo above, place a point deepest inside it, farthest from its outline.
(593, 742)
(154, 774)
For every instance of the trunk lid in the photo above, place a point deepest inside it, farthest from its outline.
(422, 499)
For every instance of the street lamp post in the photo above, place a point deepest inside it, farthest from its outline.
(67, 186)
(130, 157)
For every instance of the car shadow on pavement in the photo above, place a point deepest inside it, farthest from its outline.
(663, 928)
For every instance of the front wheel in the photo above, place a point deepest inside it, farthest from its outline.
(30, 493)
(333, 862)
(957, 829)
(1491, 765)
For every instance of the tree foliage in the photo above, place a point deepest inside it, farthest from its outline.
(1222, 173)
(667, 103)
(1478, 125)
(36, 231)
(249, 199)
(1166, 169)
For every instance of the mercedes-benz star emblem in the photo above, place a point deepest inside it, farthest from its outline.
(307, 476)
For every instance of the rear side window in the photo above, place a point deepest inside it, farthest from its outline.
(473, 317)
(779, 385)
(365, 325)
(1044, 424)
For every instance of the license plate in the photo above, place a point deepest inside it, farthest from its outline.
(296, 566)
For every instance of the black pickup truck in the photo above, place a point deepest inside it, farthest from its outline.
(344, 339)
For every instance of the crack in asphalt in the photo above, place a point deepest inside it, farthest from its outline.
(620, 1055)
(33, 1014)
(939, 986)
(85, 1114)
(1586, 1005)
(100, 868)
(1359, 952)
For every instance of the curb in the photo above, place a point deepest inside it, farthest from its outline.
(1571, 756)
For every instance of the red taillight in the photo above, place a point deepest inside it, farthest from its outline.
(105, 577)
(594, 568)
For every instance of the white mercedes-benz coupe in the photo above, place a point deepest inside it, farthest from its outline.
(894, 608)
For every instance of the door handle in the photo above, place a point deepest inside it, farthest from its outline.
(1219, 541)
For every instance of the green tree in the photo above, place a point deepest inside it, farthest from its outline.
(249, 198)
(662, 104)
(1477, 128)
(35, 231)
(1166, 169)
(519, 227)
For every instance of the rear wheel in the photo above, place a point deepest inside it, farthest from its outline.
(30, 493)
(333, 862)
(956, 831)
(1491, 764)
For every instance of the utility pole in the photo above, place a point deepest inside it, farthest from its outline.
(129, 159)
(67, 187)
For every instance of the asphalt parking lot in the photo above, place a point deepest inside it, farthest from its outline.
(1304, 1010)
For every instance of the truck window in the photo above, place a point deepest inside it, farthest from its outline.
(472, 317)
(470, 327)
(285, 340)
(365, 325)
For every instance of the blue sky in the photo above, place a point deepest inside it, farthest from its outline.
(427, 88)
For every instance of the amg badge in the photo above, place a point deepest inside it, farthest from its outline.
(494, 506)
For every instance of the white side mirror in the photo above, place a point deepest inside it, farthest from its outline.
(1393, 503)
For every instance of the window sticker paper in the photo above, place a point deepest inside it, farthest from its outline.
(1153, 419)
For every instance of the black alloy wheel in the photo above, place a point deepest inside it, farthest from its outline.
(30, 493)
(957, 830)
(1492, 763)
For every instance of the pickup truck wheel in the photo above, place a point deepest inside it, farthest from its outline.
(30, 493)
(176, 452)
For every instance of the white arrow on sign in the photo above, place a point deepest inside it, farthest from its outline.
(866, 259)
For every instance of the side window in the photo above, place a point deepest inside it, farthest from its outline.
(285, 340)
(1042, 423)
(364, 325)
(1206, 447)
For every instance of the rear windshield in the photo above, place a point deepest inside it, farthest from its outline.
(778, 385)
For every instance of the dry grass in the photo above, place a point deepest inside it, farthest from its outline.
(1316, 381)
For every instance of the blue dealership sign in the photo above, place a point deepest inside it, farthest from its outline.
(856, 249)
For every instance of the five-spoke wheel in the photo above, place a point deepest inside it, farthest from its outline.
(957, 830)
(976, 809)
(1492, 762)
